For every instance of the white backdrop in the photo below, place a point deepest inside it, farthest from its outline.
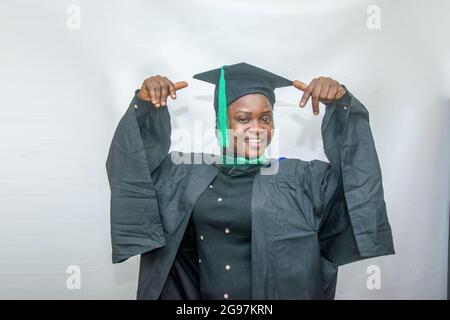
(65, 82)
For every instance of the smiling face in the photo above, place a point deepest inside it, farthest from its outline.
(250, 119)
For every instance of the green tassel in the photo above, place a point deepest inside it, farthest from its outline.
(222, 115)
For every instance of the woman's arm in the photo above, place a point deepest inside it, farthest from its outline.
(347, 192)
(140, 145)
(153, 117)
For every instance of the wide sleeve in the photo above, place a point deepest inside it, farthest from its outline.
(140, 144)
(347, 193)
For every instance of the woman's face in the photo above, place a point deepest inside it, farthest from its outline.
(250, 119)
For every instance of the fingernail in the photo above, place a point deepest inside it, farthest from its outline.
(157, 104)
(302, 104)
(316, 113)
(154, 101)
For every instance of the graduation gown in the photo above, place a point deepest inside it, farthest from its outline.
(307, 217)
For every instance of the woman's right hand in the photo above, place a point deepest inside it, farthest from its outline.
(157, 88)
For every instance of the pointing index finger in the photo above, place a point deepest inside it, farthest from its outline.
(180, 85)
(299, 85)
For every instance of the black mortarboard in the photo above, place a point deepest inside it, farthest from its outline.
(234, 81)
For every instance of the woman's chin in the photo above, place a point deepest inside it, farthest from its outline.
(252, 154)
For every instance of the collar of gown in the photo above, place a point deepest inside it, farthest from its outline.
(238, 169)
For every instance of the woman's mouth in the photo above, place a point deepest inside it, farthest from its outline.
(254, 142)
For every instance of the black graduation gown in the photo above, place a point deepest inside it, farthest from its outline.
(308, 217)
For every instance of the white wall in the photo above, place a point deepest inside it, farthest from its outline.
(63, 92)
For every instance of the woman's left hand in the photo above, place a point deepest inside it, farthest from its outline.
(321, 89)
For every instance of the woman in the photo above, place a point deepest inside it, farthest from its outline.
(244, 227)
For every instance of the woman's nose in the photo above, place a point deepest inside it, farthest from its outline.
(255, 125)
(256, 128)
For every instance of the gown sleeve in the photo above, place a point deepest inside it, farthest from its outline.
(140, 144)
(347, 193)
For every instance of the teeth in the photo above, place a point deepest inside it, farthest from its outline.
(254, 140)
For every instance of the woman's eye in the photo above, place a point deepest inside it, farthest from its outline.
(266, 119)
(243, 119)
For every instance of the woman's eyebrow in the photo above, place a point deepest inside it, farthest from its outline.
(241, 111)
(249, 112)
